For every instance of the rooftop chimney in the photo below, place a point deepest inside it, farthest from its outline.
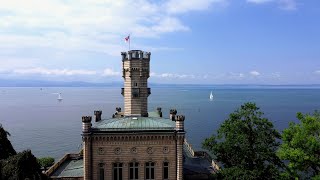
(159, 111)
(98, 115)
(173, 113)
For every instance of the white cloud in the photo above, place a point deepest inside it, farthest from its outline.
(110, 72)
(55, 72)
(173, 75)
(259, 1)
(178, 6)
(288, 4)
(231, 75)
(90, 25)
(255, 73)
(283, 4)
(275, 75)
(7, 62)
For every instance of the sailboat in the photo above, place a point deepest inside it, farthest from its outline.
(59, 97)
(211, 96)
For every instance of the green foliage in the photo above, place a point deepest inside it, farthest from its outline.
(15, 166)
(46, 162)
(301, 147)
(245, 145)
(6, 148)
(21, 166)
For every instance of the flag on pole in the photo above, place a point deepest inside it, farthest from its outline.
(127, 39)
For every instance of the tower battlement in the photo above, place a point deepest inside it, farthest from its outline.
(135, 54)
(180, 118)
(86, 119)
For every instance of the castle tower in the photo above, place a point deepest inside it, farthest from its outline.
(136, 71)
(180, 142)
(86, 139)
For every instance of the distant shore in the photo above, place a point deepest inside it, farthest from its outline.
(41, 83)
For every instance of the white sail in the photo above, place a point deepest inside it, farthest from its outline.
(211, 96)
(59, 97)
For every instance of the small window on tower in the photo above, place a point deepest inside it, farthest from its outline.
(135, 92)
(135, 84)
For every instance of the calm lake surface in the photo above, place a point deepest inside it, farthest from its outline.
(37, 121)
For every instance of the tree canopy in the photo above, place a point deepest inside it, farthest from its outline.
(15, 166)
(6, 148)
(246, 144)
(46, 162)
(301, 146)
(21, 166)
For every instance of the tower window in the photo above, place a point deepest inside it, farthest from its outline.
(135, 92)
(149, 171)
(133, 171)
(101, 171)
(165, 171)
(117, 171)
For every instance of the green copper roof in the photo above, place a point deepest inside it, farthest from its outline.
(153, 114)
(134, 123)
(70, 168)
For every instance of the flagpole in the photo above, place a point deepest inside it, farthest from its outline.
(127, 40)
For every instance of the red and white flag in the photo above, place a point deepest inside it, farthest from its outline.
(127, 39)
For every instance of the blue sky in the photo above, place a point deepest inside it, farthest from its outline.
(194, 41)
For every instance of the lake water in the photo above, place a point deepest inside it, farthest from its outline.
(37, 121)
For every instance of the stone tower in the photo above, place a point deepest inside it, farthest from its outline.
(136, 71)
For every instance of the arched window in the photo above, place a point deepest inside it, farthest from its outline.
(117, 171)
(101, 171)
(133, 171)
(165, 170)
(149, 171)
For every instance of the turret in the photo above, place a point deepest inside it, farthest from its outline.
(180, 122)
(86, 124)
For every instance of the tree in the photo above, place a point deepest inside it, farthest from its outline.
(6, 148)
(15, 166)
(21, 166)
(46, 162)
(301, 147)
(246, 145)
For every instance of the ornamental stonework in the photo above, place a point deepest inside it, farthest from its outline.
(150, 150)
(134, 150)
(101, 151)
(166, 150)
(117, 150)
